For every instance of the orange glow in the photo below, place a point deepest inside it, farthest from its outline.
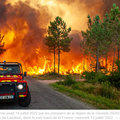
(25, 28)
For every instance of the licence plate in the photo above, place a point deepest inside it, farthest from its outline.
(7, 97)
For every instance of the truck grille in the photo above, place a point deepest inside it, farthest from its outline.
(7, 88)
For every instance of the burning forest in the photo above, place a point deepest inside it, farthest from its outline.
(24, 24)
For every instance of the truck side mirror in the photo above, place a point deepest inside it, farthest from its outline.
(25, 74)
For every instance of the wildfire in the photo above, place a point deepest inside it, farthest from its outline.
(37, 70)
(24, 24)
(46, 67)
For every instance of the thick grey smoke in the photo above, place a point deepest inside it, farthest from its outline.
(93, 9)
(3, 11)
(27, 24)
(107, 4)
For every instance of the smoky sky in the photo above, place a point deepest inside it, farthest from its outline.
(3, 10)
(90, 4)
(107, 4)
(27, 24)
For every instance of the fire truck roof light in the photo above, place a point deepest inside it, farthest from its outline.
(4, 61)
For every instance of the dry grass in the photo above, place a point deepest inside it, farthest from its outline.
(48, 76)
(52, 76)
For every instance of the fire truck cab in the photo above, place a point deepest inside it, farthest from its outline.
(12, 83)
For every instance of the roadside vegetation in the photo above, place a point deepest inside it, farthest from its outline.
(48, 76)
(55, 76)
(101, 95)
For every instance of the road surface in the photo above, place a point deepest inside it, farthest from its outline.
(44, 97)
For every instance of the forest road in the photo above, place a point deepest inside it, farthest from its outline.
(44, 97)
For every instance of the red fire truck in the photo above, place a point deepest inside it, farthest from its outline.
(12, 83)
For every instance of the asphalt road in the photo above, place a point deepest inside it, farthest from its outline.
(44, 97)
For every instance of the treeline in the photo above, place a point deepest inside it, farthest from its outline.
(102, 38)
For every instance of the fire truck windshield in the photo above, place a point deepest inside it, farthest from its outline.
(9, 69)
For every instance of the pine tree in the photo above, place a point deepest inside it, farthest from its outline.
(115, 27)
(57, 39)
(97, 38)
(51, 43)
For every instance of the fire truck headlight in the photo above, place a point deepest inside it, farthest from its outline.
(20, 86)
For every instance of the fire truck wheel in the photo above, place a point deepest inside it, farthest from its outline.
(24, 102)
